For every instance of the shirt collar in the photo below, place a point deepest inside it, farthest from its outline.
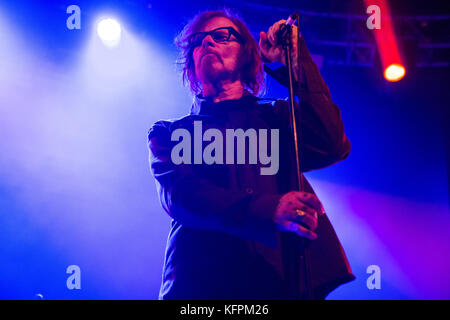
(207, 106)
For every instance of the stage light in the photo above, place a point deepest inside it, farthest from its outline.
(394, 72)
(109, 31)
(387, 44)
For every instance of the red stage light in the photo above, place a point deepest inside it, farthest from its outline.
(387, 44)
(395, 72)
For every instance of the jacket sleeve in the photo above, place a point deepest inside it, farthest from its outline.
(197, 202)
(320, 128)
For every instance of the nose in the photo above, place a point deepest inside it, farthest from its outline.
(207, 41)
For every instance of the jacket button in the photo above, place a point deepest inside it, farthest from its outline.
(249, 190)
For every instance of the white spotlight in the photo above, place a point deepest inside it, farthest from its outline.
(109, 32)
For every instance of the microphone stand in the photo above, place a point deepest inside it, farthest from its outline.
(299, 252)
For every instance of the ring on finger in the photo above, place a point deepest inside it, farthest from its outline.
(300, 213)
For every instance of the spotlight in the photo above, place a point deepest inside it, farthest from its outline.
(109, 32)
(394, 72)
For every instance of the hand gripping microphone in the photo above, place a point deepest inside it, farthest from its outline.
(285, 29)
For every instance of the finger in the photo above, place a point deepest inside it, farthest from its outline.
(277, 25)
(271, 37)
(294, 36)
(299, 230)
(294, 30)
(305, 215)
(307, 220)
(263, 41)
(311, 200)
(296, 203)
(274, 30)
(309, 210)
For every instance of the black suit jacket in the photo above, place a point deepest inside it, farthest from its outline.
(223, 243)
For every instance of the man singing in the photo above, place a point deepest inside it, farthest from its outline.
(229, 220)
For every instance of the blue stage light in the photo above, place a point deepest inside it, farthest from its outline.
(109, 31)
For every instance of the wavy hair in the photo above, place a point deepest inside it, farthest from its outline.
(251, 65)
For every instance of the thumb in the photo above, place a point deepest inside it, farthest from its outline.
(263, 41)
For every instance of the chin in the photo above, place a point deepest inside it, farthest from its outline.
(212, 74)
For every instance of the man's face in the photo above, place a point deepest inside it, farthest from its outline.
(217, 61)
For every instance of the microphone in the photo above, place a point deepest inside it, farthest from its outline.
(292, 18)
(284, 29)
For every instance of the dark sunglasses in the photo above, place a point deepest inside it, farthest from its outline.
(219, 35)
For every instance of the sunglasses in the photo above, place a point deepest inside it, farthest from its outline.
(219, 35)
